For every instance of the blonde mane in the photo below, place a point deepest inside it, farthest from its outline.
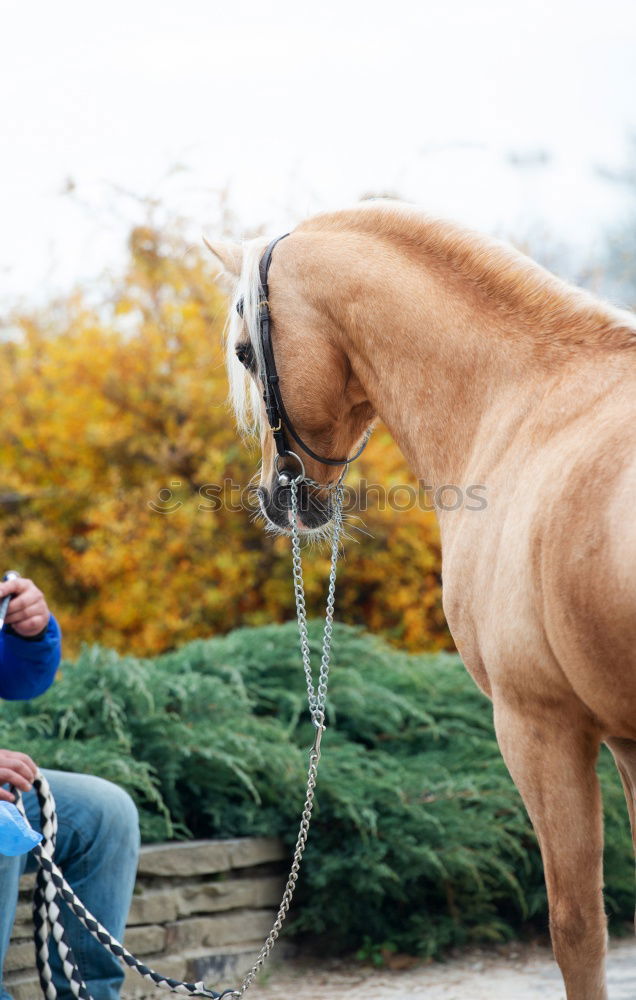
(245, 395)
(506, 280)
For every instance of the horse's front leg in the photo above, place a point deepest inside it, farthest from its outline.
(551, 754)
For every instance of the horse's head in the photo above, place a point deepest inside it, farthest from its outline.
(315, 410)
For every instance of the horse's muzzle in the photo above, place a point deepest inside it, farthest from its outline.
(314, 507)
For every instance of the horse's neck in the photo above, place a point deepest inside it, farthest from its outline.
(446, 330)
(435, 370)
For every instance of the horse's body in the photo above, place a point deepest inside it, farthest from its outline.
(488, 370)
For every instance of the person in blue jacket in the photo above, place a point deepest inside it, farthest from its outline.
(98, 835)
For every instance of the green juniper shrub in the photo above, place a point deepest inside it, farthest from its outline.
(419, 840)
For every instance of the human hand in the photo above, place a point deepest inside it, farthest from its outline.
(28, 613)
(15, 769)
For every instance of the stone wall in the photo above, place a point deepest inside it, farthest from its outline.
(201, 910)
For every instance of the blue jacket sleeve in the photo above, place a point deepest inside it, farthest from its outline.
(27, 667)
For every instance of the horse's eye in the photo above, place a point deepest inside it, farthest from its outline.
(244, 354)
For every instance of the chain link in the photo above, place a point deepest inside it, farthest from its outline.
(317, 697)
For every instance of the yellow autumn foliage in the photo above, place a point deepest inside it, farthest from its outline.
(116, 451)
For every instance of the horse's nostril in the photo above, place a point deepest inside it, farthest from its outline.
(281, 497)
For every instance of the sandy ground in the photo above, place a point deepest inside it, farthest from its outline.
(514, 973)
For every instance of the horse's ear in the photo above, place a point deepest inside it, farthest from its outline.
(229, 256)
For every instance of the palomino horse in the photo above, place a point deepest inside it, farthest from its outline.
(486, 369)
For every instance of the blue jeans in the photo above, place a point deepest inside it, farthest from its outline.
(97, 849)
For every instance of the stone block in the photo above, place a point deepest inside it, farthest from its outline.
(22, 929)
(20, 955)
(231, 894)
(27, 884)
(246, 852)
(145, 940)
(24, 912)
(23, 986)
(219, 968)
(223, 968)
(155, 906)
(215, 932)
(202, 857)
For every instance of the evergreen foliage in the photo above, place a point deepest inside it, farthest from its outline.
(420, 840)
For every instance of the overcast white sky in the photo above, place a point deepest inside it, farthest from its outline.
(297, 107)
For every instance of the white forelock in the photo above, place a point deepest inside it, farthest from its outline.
(245, 394)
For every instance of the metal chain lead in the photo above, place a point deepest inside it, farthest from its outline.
(317, 697)
(51, 884)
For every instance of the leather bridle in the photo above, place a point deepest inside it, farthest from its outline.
(277, 415)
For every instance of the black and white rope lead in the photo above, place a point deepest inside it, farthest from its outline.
(51, 886)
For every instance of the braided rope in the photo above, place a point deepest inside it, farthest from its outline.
(51, 886)
(46, 912)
